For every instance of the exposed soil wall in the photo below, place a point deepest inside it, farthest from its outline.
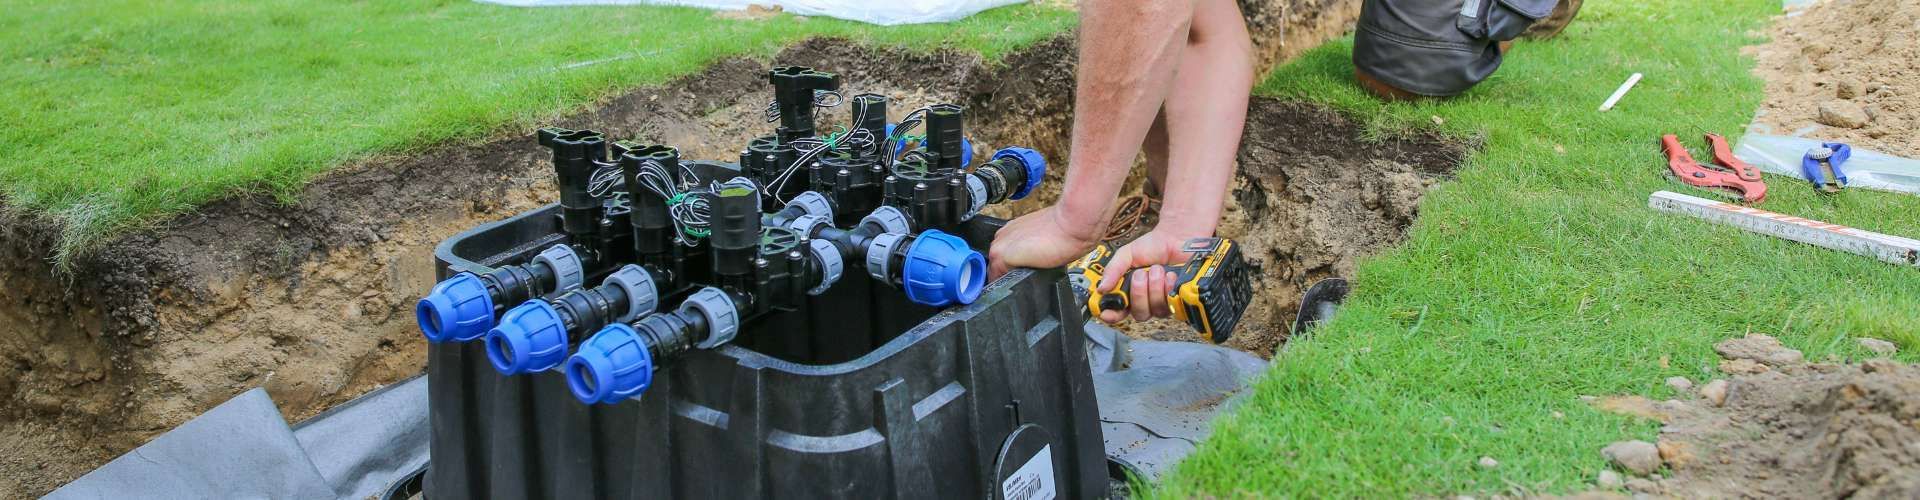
(311, 300)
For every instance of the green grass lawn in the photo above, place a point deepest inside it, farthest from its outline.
(1538, 275)
(121, 113)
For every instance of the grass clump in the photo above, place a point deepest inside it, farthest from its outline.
(124, 112)
(1539, 275)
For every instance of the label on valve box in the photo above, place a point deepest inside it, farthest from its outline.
(1033, 481)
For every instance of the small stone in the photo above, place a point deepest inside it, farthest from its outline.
(1715, 391)
(1680, 384)
(1847, 88)
(1842, 114)
(1437, 120)
(1610, 480)
(1880, 347)
(1488, 463)
(1676, 454)
(1741, 367)
(1638, 457)
(1639, 485)
(1558, 415)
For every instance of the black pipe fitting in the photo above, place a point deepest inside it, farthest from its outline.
(586, 310)
(576, 154)
(654, 242)
(670, 333)
(1002, 177)
(765, 159)
(946, 141)
(793, 89)
(734, 232)
(784, 272)
(931, 198)
(853, 183)
(510, 285)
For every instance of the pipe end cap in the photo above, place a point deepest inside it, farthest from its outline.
(941, 270)
(530, 338)
(613, 365)
(458, 309)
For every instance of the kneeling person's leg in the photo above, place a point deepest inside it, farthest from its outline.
(1409, 48)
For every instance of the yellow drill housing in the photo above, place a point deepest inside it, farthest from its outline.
(1211, 291)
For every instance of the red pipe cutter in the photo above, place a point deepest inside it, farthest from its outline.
(1728, 174)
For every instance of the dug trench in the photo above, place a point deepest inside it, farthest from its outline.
(311, 299)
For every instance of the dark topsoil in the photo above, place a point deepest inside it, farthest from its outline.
(311, 299)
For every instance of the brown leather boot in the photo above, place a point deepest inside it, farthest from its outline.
(1553, 23)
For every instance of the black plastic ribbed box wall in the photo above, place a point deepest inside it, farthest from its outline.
(860, 395)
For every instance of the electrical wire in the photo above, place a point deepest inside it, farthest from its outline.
(604, 181)
(689, 210)
(907, 124)
(821, 99)
(811, 149)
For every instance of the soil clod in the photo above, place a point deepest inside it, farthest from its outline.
(1638, 457)
(1675, 453)
(1643, 486)
(1715, 392)
(1609, 480)
(1842, 114)
(1758, 348)
(1741, 367)
(1680, 384)
(1877, 346)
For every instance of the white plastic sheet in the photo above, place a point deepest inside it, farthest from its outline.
(1868, 169)
(882, 12)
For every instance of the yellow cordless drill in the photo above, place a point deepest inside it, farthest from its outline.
(1210, 293)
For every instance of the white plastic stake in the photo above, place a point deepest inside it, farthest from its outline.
(1893, 249)
(1620, 92)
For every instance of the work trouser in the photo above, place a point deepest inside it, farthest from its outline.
(1438, 47)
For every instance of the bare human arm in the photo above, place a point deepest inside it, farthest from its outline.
(1128, 52)
(1178, 70)
(1204, 115)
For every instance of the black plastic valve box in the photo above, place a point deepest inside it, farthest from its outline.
(862, 394)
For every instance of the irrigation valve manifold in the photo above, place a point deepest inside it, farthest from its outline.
(686, 253)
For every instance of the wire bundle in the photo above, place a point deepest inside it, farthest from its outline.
(687, 208)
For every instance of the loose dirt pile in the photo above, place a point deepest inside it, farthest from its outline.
(1848, 71)
(1780, 428)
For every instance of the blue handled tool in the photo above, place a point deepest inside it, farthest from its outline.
(1821, 166)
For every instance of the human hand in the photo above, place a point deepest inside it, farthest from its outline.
(1041, 239)
(1144, 263)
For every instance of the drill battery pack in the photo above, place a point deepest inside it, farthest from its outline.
(1211, 291)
